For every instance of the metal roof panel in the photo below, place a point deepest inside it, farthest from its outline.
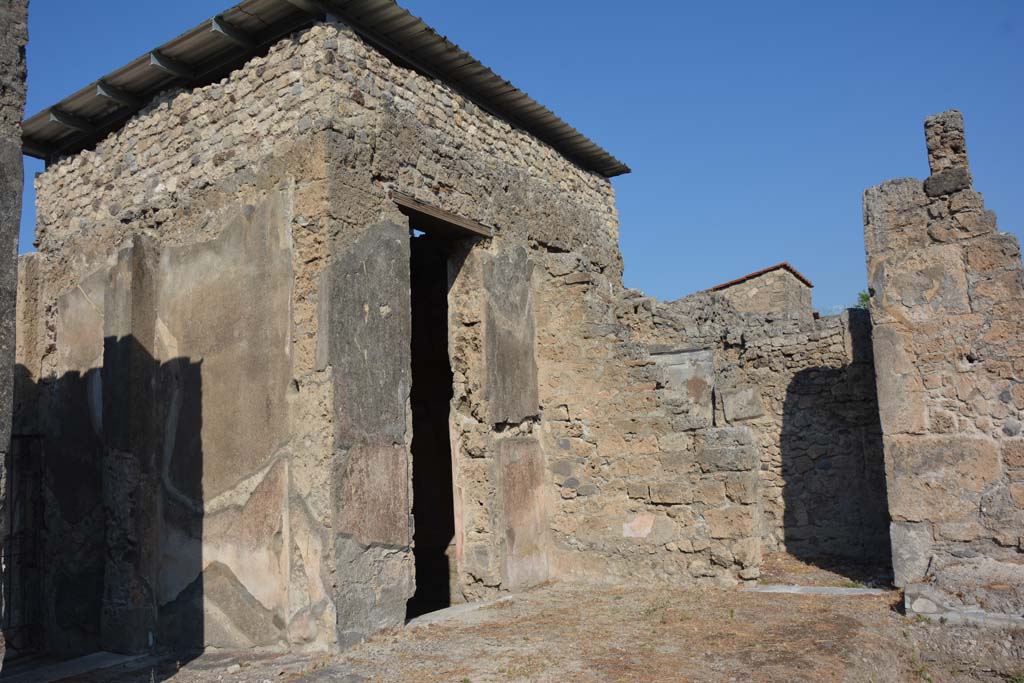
(203, 55)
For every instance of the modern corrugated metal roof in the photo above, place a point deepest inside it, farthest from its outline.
(209, 51)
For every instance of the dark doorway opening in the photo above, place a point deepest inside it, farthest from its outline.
(433, 498)
(833, 468)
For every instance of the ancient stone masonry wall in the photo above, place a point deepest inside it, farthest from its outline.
(198, 174)
(948, 313)
(686, 438)
(805, 390)
(13, 37)
(306, 142)
(777, 291)
(397, 130)
(647, 487)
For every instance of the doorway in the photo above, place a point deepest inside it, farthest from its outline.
(433, 498)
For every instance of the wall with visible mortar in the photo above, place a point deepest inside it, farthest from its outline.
(595, 433)
(946, 306)
(686, 438)
(777, 291)
(302, 145)
(646, 486)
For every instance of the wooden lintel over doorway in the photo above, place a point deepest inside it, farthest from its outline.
(435, 221)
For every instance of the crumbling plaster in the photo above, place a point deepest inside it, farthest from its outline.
(233, 252)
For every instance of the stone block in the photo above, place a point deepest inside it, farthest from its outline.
(671, 493)
(1001, 288)
(939, 478)
(370, 328)
(733, 521)
(946, 141)
(728, 449)
(709, 492)
(948, 181)
(747, 552)
(1013, 452)
(372, 504)
(638, 490)
(743, 403)
(911, 551)
(509, 337)
(742, 487)
(522, 509)
(691, 376)
(895, 217)
(1017, 494)
(991, 253)
(919, 285)
(898, 382)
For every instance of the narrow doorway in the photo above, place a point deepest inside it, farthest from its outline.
(433, 499)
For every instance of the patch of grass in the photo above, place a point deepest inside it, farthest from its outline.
(919, 670)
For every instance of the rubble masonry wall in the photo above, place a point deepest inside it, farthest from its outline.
(946, 309)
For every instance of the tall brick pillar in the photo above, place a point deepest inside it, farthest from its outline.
(947, 311)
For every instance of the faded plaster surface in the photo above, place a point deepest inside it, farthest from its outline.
(261, 269)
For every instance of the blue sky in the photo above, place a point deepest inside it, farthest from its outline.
(752, 128)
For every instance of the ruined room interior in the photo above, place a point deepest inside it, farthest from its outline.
(283, 381)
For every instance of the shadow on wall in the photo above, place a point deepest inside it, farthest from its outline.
(836, 512)
(106, 510)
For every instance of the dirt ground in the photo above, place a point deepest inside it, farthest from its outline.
(562, 632)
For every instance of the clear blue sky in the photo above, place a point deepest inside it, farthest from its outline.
(752, 127)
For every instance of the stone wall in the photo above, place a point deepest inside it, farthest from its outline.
(805, 390)
(301, 540)
(777, 292)
(646, 486)
(685, 438)
(13, 37)
(947, 303)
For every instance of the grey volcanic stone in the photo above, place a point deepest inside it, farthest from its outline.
(911, 551)
(947, 181)
(509, 337)
(370, 328)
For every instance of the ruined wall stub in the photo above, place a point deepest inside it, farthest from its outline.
(647, 486)
(804, 389)
(947, 304)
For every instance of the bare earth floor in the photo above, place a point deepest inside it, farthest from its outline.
(563, 632)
